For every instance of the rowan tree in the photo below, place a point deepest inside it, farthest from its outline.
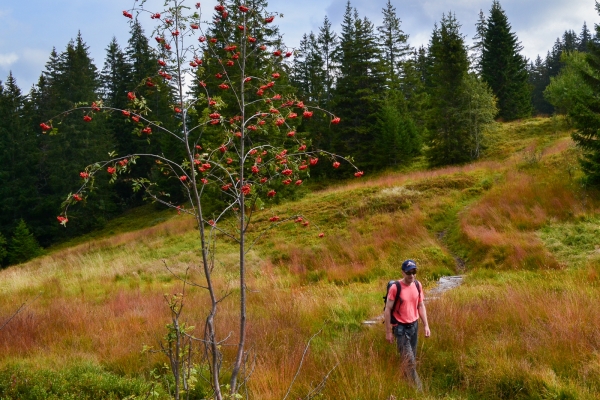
(236, 132)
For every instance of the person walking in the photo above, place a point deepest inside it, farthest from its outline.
(401, 319)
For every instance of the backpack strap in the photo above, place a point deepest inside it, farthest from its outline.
(393, 319)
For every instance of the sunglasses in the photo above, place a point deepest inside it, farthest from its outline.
(411, 272)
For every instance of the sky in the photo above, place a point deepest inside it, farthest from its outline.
(29, 29)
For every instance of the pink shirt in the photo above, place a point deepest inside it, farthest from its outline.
(406, 311)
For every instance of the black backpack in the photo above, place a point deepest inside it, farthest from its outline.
(398, 289)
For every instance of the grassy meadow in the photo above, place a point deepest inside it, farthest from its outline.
(524, 324)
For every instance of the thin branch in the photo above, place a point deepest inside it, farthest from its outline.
(184, 279)
(18, 311)
(300, 365)
(321, 384)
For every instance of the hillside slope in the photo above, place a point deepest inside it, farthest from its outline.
(517, 223)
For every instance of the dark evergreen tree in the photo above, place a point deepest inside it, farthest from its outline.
(503, 68)
(584, 38)
(397, 137)
(448, 140)
(3, 249)
(155, 85)
(357, 95)
(539, 79)
(553, 59)
(477, 47)
(570, 41)
(19, 157)
(328, 42)
(393, 43)
(586, 115)
(414, 88)
(23, 246)
(309, 71)
(70, 80)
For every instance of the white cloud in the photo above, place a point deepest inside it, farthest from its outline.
(6, 60)
(35, 56)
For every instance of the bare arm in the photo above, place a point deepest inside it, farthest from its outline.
(423, 315)
(387, 315)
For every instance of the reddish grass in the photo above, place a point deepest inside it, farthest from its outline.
(501, 226)
(368, 243)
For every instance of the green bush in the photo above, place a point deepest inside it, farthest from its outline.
(79, 382)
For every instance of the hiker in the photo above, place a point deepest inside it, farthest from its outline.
(401, 319)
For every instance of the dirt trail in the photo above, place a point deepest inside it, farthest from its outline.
(444, 284)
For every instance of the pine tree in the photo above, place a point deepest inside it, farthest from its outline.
(357, 95)
(393, 43)
(23, 246)
(503, 68)
(448, 139)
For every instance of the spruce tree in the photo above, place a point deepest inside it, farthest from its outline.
(553, 59)
(397, 136)
(71, 79)
(584, 38)
(357, 95)
(393, 43)
(328, 42)
(539, 79)
(503, 68)
(570, 41)
(477, 47)
(586, 114)
(19, 157)
(309, 70)
(23, 246)
(448, 140)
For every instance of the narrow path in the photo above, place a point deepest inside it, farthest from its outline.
(443, 285)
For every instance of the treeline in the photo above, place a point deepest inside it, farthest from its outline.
(395, 102)
(541, 71)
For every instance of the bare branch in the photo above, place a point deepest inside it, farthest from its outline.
(301, 362)
(18, 311)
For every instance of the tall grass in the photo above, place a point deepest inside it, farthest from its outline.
(522, 326)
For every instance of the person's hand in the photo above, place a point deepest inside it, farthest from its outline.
(389, 336)
(427, 332)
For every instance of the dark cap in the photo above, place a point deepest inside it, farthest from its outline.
(408, 265)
